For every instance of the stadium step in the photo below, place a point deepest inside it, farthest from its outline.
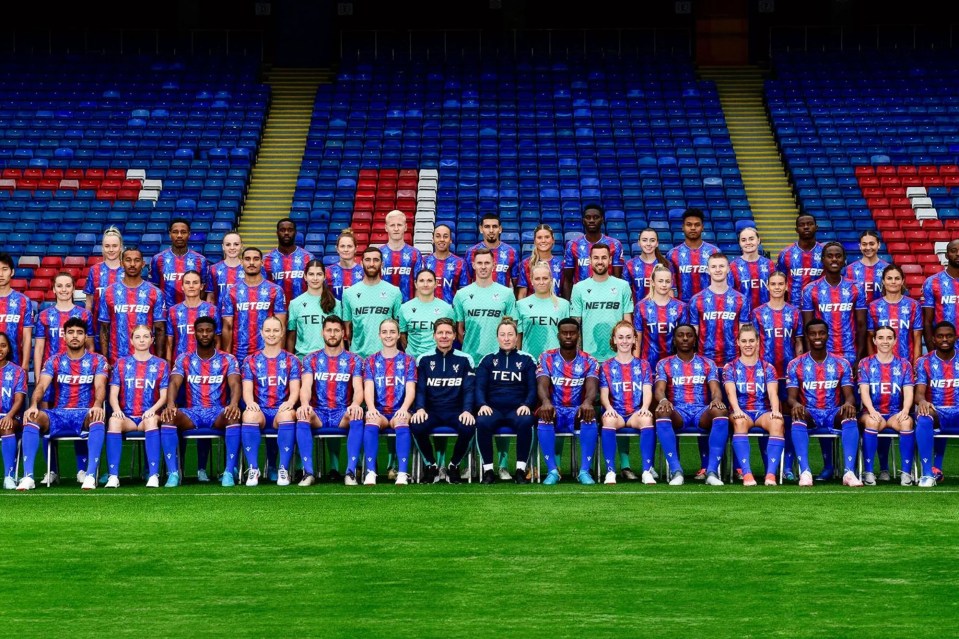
(273, 180)
(768, 190)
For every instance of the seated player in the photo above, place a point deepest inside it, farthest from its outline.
(79, 382)
(821, 399)
(567, 382)
(13, 397)
(886, 388)
(626, 392)
(209, 374)
(752, 388)
(389, 386)
(937, 400)
(506, 395)
(682, 381)
(331, 396)
(271, 388)
(138, 391)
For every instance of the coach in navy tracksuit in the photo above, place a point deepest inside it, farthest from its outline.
(506, 395)
(444, 397)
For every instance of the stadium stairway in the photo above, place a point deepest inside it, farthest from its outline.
(768, 189)
(278, 163)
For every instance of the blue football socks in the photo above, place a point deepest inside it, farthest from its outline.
(718, 435)
(800, 439)
(547, 443)
(250, 439)
(608, 437)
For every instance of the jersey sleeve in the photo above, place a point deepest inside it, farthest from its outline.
(510, 308)
(459, 313)
(227, 304)
(279, 301)
(90, 286)
(728, 373)
(712, 372)
(180, 366)
(347, 308)
(397, 303)
(404, 318)
(745, 311)
(49, 368)
(604, 375)
(862, 371)
(41, 328)
(159, 307)
(871, 313)
(661, 375)
(103, 313)
(576, 302)
(928, 294)
(845, 379)
(100, 366)
(115, 374)
(296, 369)
(20, 386)
(164, 374)
(908, 374)
(569, 256)
(618, 253)
(232, 366)
(87, 318)
(249, 368)
(770, 372)
(627, 300)
(916, 323)
(922, 375)
(792, 374)
(860, 297)
(592, 367)
(807, 304)
(522, 274)
(156, 268)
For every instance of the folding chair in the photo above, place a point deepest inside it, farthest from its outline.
(53, 450)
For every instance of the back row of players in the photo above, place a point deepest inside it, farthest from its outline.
(716, 297)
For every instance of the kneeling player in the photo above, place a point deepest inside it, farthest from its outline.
(208, 373)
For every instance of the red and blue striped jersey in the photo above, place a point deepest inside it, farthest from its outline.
(73, 379)
(800, 267)
(390, 376)
(338, 279)
(941, 378)
(451, 275)
(905, 316)
(139, 382)
(524, 278)
(886, 382)
(222, 278)
(717, 317)
(505, 263)
(689, 267)
(777, 331)
(401, 267)
(625, 383)
(819, 383)
(180, 321)
(568, 378)
(332, 377)
(752, 279)
(167, 269)
(249, 306)
(271, 377)
(868, 277)
(577, 256)
(656, 325)
(14, 382)
(100, 277)
(750, 381)
(16, 314)
(205, 380)
(125, 308)
(49, 327)
(837, 306)
(687, 383)
(287, 270)
(639, 275)
(940, 292)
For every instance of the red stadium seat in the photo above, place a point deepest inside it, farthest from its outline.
(34, 296)
(906, 170)
(73, 174)
(40, 284)
(94, 174)
(949, 169)
(19, 284)
(865, 170)
(912, 269)
(94, 259)
(75, 261)
(53, 261)
(11, 174)
(914, 282)
(33, 174)
(932, 180)
(116, 174)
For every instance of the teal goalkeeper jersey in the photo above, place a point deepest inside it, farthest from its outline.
(599, 305)
(366, 306)
(305, 316)
(480, 309)
(539, 323)
(416, 320)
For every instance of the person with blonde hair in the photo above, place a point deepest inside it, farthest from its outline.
(401, 262)
(347, 271)
(657, 315)
(540, 313)
(102, 276)
(227, 272)
(543, 243)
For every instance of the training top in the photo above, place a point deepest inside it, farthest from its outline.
(506, 380)
(366, 306)
(416, 320)
(480, 309)
(445, 382)
(539, 322)
(600, 305)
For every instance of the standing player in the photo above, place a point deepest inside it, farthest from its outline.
(657, 316)
(506, 395)
(752, 388)
(103, 275)
(13, 396)
(638, 272)
(717, 313)
(821, 399)
(886, 385)
(937, 400)
(626, 393)
(444, 397)
(246, 305)
(578, 261)
(138, 391)
(347, 271)
(16, 314)
(79, 382)
(868, 269)
(451, 271)
(212, 398)
(167, 267)
(940, 295)
(540, 313)
(271, 388)
(367, 303)
(567, 380)
(839, 302)
(389, 386)
(749, 273)
(418, 315)
(801, 261)
(689, 258)
(127, 304)
(49, 338)
(682, 383)
(304, 333)
(227, 272)
(505, 257)
(599, 302)
(899, 312)
(543, 243)
(331, 396)
(285, 264)
(401, 262)
(182, 316)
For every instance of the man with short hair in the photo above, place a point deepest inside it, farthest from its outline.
(577, 259)
(479, 307)
(127, 304)
(451, 270)
(401, 262)
(286, 264)
(841, 303)
(167, 267)
(940, 296)
(246, 305)
(689, 258)
(599, 302)
(16, 315)
(367, 303)
(801, 261)
(937, 400)
(505, 258)
(717, 313)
